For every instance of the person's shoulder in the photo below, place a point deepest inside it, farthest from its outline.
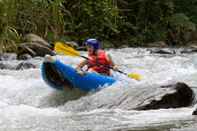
(108, 56)
(101, 51)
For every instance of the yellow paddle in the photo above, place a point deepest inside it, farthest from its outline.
(62, 48)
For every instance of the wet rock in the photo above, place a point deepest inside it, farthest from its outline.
(182, 96)
(189, 50)
(24, 57)
(6, 66)
(25, 65)
(34, 46)
(2, 66)
(20, 66)
(137, 98)
(194, 112)
(37, 39)
(162, 51)
(7, 56)
(34, 49)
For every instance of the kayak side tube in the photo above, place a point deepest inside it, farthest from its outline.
(59, 75)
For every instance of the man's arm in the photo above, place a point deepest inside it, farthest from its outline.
(81, 64)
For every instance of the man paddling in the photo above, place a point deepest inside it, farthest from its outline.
(98, 60)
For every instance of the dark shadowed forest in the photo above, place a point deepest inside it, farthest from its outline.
(132, 23)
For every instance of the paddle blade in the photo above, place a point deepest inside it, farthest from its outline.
(62, 48)
(135, 76)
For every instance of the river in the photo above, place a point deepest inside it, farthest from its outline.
(28, 104)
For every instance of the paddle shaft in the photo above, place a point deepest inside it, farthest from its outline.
(106, 66)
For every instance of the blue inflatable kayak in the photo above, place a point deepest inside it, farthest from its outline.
(59, 75)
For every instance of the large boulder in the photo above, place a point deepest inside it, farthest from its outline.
(137, 98)
(34, 46)
(36, 39)
(182, 96)
(34, 49)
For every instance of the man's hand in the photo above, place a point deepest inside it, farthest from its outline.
(49, 58)
(80, 72)
(115, 68)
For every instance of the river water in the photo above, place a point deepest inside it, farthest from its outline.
(28, 104)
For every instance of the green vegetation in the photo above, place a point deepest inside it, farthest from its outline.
(116, 22)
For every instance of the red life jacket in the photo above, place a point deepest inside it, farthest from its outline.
(99, 63)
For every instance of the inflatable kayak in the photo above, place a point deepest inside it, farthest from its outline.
(59, 75)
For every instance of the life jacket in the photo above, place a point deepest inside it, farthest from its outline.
(99, 63)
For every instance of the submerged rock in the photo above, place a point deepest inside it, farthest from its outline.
(6, 66)
(18, 66)
(25, 65)
(3, 66)
(7, 56)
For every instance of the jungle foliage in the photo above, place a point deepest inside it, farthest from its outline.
(116, 22)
